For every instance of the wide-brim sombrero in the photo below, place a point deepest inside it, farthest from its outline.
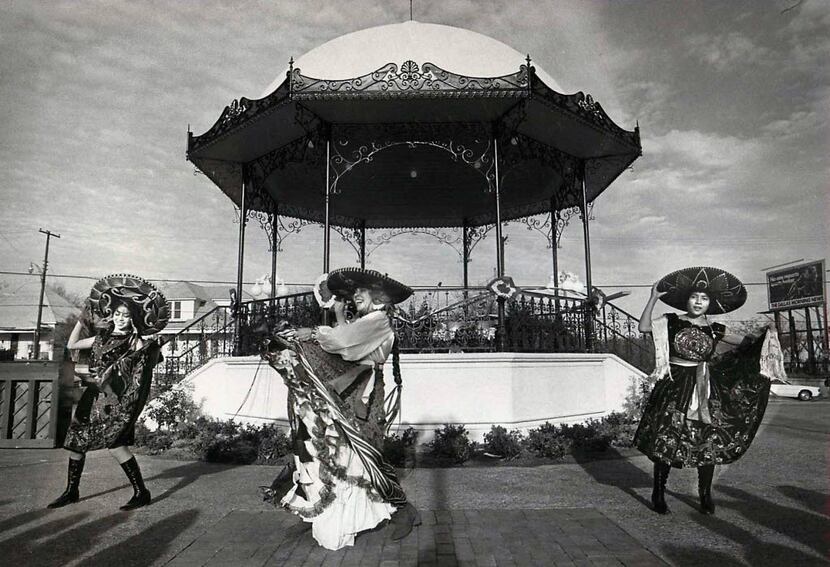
(726, 292)
(344, 281)
(148, 306)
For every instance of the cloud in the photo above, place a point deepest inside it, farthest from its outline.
(725, 52)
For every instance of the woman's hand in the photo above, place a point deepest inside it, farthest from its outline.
(301, 334)
(655, 294)
(339, 307)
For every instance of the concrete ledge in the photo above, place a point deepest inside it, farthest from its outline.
(478, 390)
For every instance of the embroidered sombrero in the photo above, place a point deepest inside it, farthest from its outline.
(726, 292)
(147, 304)
(345, 281)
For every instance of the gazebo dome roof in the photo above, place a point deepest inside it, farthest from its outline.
(453, 49)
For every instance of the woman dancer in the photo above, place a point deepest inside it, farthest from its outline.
(341, 484)
(711, 392)
(118, 381)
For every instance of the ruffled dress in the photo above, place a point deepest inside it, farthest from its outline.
(342, 485)
(709, 398)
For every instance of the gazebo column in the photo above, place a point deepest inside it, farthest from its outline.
(554, 242)
(327, 233)
(554, 232)
(240, 260)
(275, 220)
(363, 245)
(589, 321)
(499, 242)
(465, 255)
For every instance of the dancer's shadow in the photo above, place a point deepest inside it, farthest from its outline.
(613, 468)
(818, 502)
(186, 474)
(4, 502)
(757, 551)
(805, 527)
(146, 546)
(56, 542)
(20, 519)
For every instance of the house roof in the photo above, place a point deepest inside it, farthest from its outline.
(18, 310)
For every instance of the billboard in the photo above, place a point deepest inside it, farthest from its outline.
(801, 285)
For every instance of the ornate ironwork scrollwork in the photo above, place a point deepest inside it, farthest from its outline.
(308, 152)
(452, 237)
(351, 235)
(552, 226)
(465, 143)
(586, 109)
(409, 80)
(285, 227)
(476, 234)
(236, 114)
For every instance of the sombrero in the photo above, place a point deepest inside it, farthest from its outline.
(344, 281)
(147, 304)
(726, 292)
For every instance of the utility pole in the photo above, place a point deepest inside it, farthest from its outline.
(36, 346)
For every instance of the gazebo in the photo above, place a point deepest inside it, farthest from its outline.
(413, 126)
(416, 127)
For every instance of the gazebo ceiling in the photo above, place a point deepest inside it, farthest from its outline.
(412, 143)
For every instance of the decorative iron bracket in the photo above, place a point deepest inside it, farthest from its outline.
(354, 145)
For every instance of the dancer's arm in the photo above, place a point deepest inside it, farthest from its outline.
(645, 318)
(75, 341)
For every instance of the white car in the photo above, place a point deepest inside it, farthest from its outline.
(788, 390)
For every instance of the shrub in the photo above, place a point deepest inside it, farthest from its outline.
(452, 442)
(546, 441)
(396, 448)
(216, 441)
(499, 441)
(618, 427)
(155, 442)
(273, 444)
(585, 436)
(171, 408)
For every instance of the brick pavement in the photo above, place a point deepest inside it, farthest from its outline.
(492, 537)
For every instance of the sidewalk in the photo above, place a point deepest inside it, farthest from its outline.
(773, 509)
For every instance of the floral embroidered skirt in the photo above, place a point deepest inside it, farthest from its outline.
(106, 421)
(342, 485)
(737, 401)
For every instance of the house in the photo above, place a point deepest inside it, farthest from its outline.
(18, 319)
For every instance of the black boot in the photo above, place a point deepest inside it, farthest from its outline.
(704, 488)
(658, 494)
(141, 496)
(73, 479)
(403, 520)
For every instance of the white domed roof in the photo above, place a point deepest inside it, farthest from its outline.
(457, 50)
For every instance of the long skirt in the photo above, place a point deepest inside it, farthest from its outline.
(342, 485)
(737, 402)
(108, 421)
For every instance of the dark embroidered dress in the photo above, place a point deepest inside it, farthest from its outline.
(107, 420)
(730, 392)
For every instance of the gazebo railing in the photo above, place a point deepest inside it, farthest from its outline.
(433, 320)
(616, 331)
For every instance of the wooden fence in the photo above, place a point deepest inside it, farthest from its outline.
(28, 409)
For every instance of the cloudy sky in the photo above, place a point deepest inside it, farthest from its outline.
(732, 98)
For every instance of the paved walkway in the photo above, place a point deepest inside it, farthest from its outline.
(773, 509)
(574, 536)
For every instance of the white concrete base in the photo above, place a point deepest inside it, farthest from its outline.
(514, 390)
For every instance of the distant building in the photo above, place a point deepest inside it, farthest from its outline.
(18, 319)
